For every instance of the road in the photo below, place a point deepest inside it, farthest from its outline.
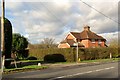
(77, 72)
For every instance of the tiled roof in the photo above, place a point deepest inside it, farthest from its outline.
(90, 35)
(86, 34)
(76, 35)
(69, 41)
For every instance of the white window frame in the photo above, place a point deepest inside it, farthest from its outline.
(99, 41)
(93, 40)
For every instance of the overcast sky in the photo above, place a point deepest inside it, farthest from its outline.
(37, 20)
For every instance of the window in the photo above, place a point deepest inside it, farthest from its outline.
(99, 41)
(93, 40)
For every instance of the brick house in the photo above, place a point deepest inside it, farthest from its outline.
(86, 39)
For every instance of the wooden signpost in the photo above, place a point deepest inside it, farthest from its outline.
(2, 34)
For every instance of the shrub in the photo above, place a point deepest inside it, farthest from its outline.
(22, 54)
(32, 58)
(7, 41)
(54, 58)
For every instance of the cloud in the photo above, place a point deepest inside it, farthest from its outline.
(108, 36)
(37, 20)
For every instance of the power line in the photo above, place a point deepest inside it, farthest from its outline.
(62, 23)
(100, 12)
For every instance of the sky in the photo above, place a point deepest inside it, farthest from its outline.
(39, 19)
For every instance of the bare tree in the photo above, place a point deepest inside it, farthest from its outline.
(48, 42)
(114, 43)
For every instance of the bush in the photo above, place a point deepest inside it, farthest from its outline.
(54, 58)
(32, 58)
(22, 54)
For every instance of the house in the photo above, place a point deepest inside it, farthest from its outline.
(86, 39)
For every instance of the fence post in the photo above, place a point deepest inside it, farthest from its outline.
(3, 61)
(110, 55)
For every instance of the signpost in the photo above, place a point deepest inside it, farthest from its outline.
(110, 55)
(2, 34)
(76, 44)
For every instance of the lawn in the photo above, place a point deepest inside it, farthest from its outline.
(101, 60)
(24, 68)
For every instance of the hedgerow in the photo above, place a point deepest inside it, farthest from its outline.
(70, 53)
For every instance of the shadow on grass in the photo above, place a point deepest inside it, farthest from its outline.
(25, 63)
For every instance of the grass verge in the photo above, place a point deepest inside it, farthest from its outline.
(90, 61)
(24, 68)
(101, 60)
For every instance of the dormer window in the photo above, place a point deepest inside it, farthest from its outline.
(93, 40)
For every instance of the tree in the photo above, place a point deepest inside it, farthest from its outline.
(6, 36)
(19, 44)
(7, 41)
(48, 43)
(114, 43)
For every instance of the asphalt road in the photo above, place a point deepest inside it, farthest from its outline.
(106, 71)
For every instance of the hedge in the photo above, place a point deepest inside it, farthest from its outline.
(70, 53)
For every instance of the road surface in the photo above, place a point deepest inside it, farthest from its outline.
(106, 71)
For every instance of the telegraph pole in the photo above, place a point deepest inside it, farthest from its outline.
(77, 53)
(77, 49)
(2, 32)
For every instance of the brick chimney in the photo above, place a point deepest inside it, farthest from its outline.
(87, 28)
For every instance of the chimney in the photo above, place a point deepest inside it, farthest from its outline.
(87, 28)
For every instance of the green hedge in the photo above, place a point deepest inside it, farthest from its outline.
(41, 53)
(69, 54)
(99, 53)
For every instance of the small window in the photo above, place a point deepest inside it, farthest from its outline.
(93, 40)
(99, 41)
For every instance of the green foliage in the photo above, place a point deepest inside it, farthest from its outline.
(100, 53)
(41, 53)
(19, 44)
(7, 37)
(7, 40)
(70, 53)
(54, 58)
(31, 58)
(24, 68)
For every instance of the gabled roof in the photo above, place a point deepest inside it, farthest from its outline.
(69, 41)
(76, 35)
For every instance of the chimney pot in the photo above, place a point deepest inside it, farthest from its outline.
(87, 28)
